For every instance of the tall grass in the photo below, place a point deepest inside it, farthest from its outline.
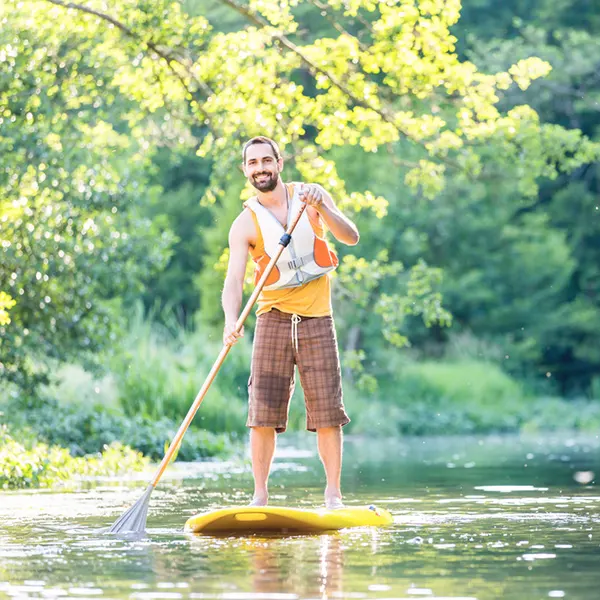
(72, 385)
(462, 396)
(441, 398)
(158, 370)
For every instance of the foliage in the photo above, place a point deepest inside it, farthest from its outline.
(466, 160)
(561, 338)
(369, 278)
(183, 178)
(450, 398)
(505, 268)
(86, 429)
(72, 239)
(72, 385)
(6, 303)
(155, 379)
(40, 465)
(495, 20)
(554, 414)
(465, 382)
(150, 72)
(158, 370)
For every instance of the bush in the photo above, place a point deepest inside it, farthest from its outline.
(72, 384)
(555, 414)
(466, 383)
(441, 398)
(40, 465)
(421, 418)
(87, 429)
(159, 369)
(462, 397)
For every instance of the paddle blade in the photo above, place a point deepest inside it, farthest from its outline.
(133, 521)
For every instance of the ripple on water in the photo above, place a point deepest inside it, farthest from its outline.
(506, 489)
(453, 535)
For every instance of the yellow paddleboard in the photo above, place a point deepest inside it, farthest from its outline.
(249, 519)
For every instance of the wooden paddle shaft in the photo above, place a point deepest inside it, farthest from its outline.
(224, 351)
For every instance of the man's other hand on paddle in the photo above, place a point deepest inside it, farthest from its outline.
(230, 335)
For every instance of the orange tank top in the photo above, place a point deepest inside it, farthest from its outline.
(313, 299)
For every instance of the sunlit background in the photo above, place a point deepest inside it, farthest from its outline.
(462, 138)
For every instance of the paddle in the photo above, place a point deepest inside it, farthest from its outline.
(134, 519)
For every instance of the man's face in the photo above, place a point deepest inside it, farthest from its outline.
(262, 168)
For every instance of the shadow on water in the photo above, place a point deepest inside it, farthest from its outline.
(477, 518)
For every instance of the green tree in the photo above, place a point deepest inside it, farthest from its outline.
(565, 35)
(391, 83)
(72, 237)
(183, 179)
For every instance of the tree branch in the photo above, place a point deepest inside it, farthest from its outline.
(284, 41)
(335, 24)
(168, 58)
(96, 13)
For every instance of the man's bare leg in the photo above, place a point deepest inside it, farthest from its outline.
(329, 442)
(262, 449)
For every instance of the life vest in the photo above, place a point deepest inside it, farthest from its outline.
(306, 257)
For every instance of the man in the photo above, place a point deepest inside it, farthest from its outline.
(294, 324)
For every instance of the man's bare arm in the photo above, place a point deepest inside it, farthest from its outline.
(231, 298)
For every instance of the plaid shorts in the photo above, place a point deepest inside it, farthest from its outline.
(282, 341)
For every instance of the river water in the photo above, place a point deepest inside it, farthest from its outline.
(488, 518)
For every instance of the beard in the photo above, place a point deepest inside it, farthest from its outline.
(267, 185)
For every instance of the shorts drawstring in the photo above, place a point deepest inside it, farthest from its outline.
(295, 320)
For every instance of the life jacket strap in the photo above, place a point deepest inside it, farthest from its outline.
(299, 261)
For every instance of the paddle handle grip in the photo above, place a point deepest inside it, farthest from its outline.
(176, 441)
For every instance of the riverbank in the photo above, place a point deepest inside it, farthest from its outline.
(149, 382)
(47, 443)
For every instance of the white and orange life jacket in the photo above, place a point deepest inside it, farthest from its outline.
(307, 257)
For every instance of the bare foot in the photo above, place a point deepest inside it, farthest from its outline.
(259, 501)
(334, 503)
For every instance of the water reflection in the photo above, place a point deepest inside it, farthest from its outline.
(495, 530)
(304, 565)
(332, 564)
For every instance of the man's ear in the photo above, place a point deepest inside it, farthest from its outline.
(243, 168)
(280, 164)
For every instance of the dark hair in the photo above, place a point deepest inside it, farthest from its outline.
(261, 139)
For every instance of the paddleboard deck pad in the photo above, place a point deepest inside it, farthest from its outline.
(252, 519)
